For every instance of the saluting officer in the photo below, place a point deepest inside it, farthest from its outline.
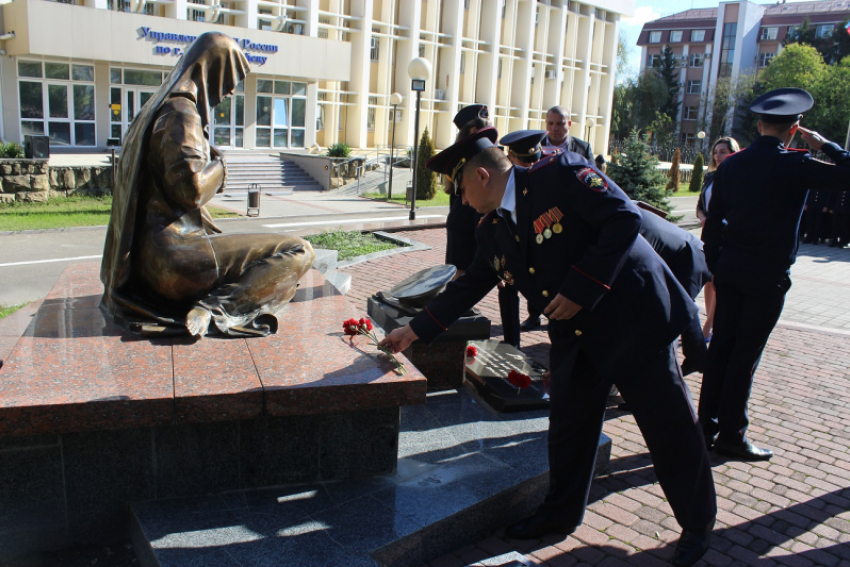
(567, 237)
(751, 240)
(524, 150)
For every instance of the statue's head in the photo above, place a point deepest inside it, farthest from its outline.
(214, 65)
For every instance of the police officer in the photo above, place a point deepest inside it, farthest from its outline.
(683, 254)
(751, 240)
(524, 148)
(567, 237)
(461, 220)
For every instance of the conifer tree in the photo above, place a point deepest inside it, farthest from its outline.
(637, 174)
(673, 184)
(426, 180)
(696, 177)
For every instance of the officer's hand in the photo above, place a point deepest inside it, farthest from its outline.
(561, 308)
(399, 339)
(815, 140)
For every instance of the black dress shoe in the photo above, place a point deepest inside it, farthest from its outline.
(710, 441)
(691, 547)
(745, 451)
(689, 367)
(530, 324)
(535, 527)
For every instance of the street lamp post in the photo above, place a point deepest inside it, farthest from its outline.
(590, 124)
(395, 100)
(701, 136)
(419, 71)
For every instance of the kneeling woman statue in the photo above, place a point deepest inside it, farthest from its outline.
(166, 266)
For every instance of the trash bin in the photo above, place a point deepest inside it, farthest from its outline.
(409, 197)
(254, 200)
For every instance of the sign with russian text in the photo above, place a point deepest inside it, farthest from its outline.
(254, 52)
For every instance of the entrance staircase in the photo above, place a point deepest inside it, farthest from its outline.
(275, 175)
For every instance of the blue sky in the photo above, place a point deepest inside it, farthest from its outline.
(648, 10)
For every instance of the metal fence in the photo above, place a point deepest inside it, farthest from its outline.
(663, 153)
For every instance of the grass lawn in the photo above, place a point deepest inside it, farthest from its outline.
(349, 244)
(441, 199)
(6, 310)
(66, 212)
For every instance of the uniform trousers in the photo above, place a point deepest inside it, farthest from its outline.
(664, 413)
(750, 297)
(509, 310)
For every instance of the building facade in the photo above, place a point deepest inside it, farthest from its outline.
(736, 38)
(322, 71)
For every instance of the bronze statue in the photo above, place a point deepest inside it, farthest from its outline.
(166, 266)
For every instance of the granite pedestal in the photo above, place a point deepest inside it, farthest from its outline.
(92, 417)
(441, 362)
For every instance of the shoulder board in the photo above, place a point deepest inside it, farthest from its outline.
(544, 162)
(484, 218)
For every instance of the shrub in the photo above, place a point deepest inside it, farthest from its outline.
(339, 150)
(696, 176)
(673, 184)
(426, 180)
(11, 150)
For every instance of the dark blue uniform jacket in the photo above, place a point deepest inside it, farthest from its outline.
(758, 199)
(680, 250)
(632, 305)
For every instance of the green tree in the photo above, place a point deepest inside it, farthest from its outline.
(833, 47)
(730, 102)
(426, 180)
(669, 71)
(663, 130)
(636, 172)
(636, 102)
(696, 177)
(623, 51)
(832, 103)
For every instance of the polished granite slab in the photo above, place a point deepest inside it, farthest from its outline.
(463, 471)
(74, 369)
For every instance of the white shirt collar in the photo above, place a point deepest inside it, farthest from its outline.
(509, 198)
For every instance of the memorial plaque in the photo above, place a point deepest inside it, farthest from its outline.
(488, 373)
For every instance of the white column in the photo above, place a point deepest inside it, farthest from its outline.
(452, 24)
(311, 114)
(311, 16)
(409, 16)
(355, 126)
(247, 20)
(178, 10)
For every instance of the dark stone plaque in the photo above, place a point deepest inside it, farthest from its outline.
(488, 370)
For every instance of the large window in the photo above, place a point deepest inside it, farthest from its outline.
(281, 114)
(57, 100)
(824, 30)
(769, 33)
(370, 113)
(690, 113)
(655, 37)
(697, 35)
(653, 59)
(694, 87)
(675, 36)
(697, 59)
(727, 49)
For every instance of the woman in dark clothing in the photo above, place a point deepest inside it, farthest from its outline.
(722, 148)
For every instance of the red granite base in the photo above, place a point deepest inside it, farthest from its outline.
(74, 369)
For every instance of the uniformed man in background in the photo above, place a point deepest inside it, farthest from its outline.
(751, 238)
(567, 237)
(558, 136)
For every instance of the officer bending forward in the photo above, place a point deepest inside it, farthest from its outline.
(568, 238)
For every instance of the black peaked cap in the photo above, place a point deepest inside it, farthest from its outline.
(470, 112)
(781, 106)
(450, 160)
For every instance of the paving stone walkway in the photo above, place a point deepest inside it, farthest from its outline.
(793, 510)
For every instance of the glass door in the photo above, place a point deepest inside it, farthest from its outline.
(229, 122)
(281, 114)
(126, 102)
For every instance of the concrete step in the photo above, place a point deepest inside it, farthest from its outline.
(462, 473)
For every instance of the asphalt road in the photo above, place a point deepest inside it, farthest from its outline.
(31, 261)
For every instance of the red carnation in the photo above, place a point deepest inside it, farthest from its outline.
(365, 324)
(471, 351)
(351, 327)
(519, 379)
